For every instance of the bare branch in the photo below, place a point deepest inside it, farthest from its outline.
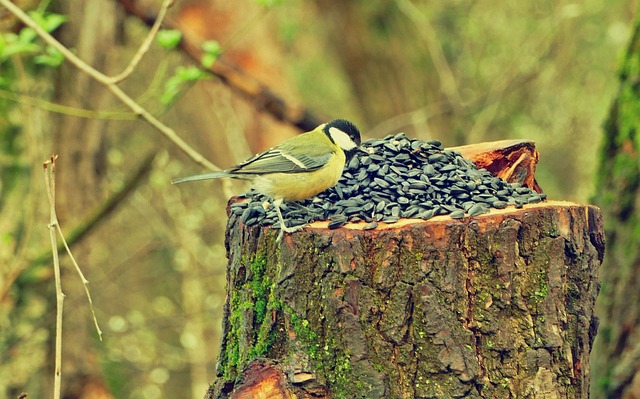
(109, 84)
(259, 94)
(144, 47)
(49, 177)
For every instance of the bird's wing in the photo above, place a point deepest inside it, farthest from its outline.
(280, 160)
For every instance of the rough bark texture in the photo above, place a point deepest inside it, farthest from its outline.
(495, 306)
(616, 357)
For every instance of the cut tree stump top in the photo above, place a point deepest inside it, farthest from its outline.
(493, 306)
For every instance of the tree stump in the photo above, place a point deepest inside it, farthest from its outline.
(493, 306)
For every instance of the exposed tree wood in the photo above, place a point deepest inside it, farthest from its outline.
(496, 306)
(511, 160)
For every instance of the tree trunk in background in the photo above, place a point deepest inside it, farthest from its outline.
(495, 306)
(93, 33)
(379, 49)
(616, 365)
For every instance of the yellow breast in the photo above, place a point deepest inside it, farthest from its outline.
(300, 186)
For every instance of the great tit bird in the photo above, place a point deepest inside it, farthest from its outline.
(298, 168)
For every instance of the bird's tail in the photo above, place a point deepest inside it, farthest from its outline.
(204, 176)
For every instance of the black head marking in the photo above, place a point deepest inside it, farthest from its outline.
(344, 125)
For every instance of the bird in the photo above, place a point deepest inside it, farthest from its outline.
(298, 168)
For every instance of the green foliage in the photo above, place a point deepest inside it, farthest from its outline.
(25, 43)
(212, 51)
(169, 38)
(176, 83)
(269, 3)
(21, 51)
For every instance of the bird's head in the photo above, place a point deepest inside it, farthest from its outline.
(344, 133)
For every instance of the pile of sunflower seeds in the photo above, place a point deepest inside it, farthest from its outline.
(398, 178)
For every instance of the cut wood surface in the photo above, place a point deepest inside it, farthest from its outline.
(494, 306)
(514, 161)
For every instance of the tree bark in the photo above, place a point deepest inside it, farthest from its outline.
(495, 306)
(616, 362)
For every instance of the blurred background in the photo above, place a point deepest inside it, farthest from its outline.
(460, 71)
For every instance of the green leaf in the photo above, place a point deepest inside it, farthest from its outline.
(212, 51)
(189, 74)
(208, 60)
(169, 38)
(17, 47)
(268, 3)
(52, 58)
(175, 84)
(26, 35)
(212, 47)
(48, 21)
(54, 21)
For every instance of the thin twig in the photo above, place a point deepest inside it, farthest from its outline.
(49, 176)
(232, 75)
(144, 47)
(85, 282)
(65, 109)
(106, 81)
(106, 208)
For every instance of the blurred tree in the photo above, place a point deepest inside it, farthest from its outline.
(95, 33)
(458, 70)
(615, 357)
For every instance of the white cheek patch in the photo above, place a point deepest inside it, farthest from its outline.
(342, 139)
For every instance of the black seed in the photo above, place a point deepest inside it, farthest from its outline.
(448, 168)
(370, 225)
(351, 210)
(500, 204)
(534, 199)
(337, 221)
(476, 209)
(380, 182)
(247, 214)
(390, 147)
(392, 178)
(251, 221)
(347, 202)
(428, 214)
(435, 158)
(354, 163)
(368, 207)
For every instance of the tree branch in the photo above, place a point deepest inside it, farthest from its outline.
(108, 82)
(239, 81)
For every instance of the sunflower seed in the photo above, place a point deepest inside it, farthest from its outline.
(398, 177)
